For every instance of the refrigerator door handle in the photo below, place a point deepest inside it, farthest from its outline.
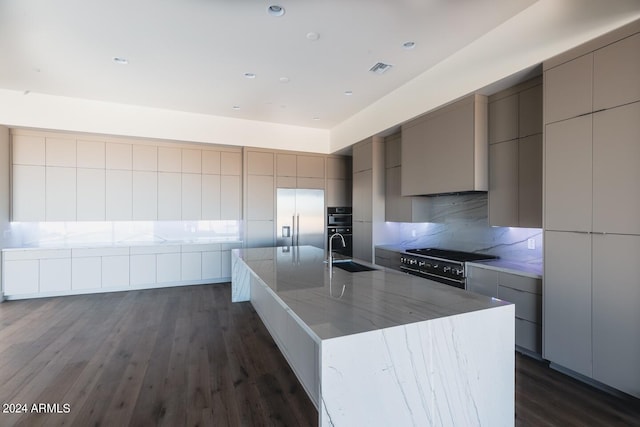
(293, 230)
(298, 231)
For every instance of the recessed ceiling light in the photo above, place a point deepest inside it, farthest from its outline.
(119, 60)
(409, 45)
(284, 79)
(315, 118)
(313, 36)
(275, 10)
(236, 107)
(249, 75)
(348, 92)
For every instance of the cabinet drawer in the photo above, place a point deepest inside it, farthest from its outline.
(529, 335)
(521, 283)
(528, 305)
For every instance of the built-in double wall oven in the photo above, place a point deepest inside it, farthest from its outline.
(339, 220)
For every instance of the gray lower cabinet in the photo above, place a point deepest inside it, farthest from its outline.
(386, 258)
(567, 300)
(523, 291)
(616, 311)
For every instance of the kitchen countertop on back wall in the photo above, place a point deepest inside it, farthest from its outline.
(531, 269)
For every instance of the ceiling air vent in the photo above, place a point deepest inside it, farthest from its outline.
(380, 68)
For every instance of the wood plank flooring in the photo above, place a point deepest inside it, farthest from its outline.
(187, 356)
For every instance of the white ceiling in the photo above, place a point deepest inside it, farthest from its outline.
(190, 55)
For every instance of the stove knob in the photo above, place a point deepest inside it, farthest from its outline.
(445, 269)
(421, 264)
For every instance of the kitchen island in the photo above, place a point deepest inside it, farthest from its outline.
(382, 347)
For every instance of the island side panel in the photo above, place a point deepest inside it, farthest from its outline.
(240, 278)
(457, 370)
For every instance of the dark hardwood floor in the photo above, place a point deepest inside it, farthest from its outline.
(189, 357)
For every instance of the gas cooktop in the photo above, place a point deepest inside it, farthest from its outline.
(450, 255)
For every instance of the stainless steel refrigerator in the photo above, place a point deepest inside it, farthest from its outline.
(300, 217)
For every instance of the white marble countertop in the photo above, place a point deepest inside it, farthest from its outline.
(121, 244)
(351, 303)
(512, 267)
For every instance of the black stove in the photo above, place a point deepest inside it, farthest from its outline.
(441, 265)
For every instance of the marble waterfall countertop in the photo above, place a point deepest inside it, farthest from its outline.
(381, 347)
(351, 303)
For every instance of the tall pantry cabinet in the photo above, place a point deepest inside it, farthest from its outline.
(368, 197)
(592, 205)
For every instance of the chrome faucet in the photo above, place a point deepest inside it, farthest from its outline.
(331, 251)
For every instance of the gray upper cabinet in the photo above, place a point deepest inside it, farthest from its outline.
(568, 175)
(400, 208)
(530, 181)
(503, 183)
(368, 197)
(515, 164)
(568, 89)
(260, 163)
(339, 181)
(530, 111)
(446, 150)
(616, 68)
(310, 166)
(285, 164)
(616, 170)
(503, 119)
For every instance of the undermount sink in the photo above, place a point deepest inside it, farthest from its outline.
(351, 267)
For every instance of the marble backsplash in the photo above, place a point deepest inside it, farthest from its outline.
(460, 222)
(26, 234)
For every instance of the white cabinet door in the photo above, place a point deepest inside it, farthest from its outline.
(169, 159)
(260, 198)
(28, 193)
(91, 194)
(86, 273)
(211, 162)
(191, 196)
(90, 154)
(28, 150)
(115, 271)
(191, 266)
(142, 269)
(230, 163)
(55, 275)
(168, 267)
(145, 196)
(118, 195)
(118, 156)
(61, 152)
(210, 197)
(567, 300)
(60, 194)
(616, 311)
(230, 196)
(169, 196)
(21, 277)
(191, 161)
(211, 265)
(145, 158)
